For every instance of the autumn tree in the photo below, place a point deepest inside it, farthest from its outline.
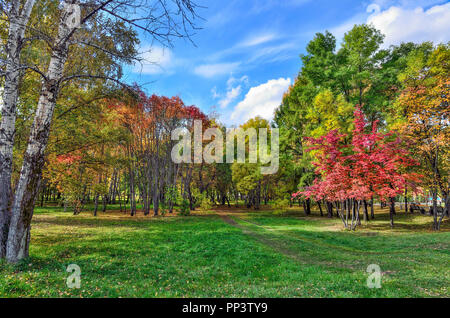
(106, 27)
(423, 116)
(247, 176)
(348, 174)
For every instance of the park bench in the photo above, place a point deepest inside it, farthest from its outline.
(415, 207)
(440, 210)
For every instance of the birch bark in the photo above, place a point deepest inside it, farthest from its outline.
(30, 175)
(18, 20)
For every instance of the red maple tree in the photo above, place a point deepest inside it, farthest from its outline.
(375, 164)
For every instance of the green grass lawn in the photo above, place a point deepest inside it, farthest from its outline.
(229, 254)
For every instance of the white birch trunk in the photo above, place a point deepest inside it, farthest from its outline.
(18, 20)
(30, 175)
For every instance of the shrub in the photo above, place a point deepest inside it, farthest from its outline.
(171, 195)
(280, 206)
(163, 208)
(185, 208)
(205, 204)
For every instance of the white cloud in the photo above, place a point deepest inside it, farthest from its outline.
(156, 60)
(214, 92)
(234, 90)
(403, 21)
(261, 100)
(413, 25)
(274, 53)
(407, 3)
(257, 39)
(263, 47)
(233, 80)
(213, 70)
(231, 95)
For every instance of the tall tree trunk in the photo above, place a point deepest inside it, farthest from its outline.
(33, 162)
(330, 209)
(43, 189)
(372, 212)
(366, 212)
(18, 20)
(358, 218)
(348, 208)
(105, 202)
(447, 205)
(406, 200)
(147, 196)
(435, 191)
(391, 211)
(444, 212)
(340, 213)
(96, 204)
(155, 188)
(320, 208)
(132, 192)
(223, 199)
(266, 196)
(435, 214)
(353, 212)
(258, 196)
(114, 190)
(305, 208)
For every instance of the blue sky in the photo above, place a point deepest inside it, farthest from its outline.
(247, 53)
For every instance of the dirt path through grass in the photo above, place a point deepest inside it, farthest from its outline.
(315, 241)
(279, 242)
(267, 240)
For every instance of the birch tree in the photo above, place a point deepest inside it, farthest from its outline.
(17, 16)
(162, 20)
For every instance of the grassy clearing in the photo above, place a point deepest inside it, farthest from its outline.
(254, 255)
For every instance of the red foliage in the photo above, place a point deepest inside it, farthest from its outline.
(375, 165)
(68, 159)
(141, 112)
